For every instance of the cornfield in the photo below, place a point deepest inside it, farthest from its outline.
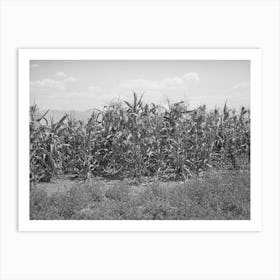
(135, 139)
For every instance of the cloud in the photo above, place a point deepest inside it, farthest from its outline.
(48, 84)
(62, 92)
(192, 76)
(241, 86)
(70, 80)
(159, 91)
(67, 79)
(186, 81)
(34, 65)
(60, 74)
(182, 83)
(53, 84)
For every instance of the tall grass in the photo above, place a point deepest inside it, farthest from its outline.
(134, 139)
(216, 196)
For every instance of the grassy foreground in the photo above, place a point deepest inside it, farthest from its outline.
(221, 195)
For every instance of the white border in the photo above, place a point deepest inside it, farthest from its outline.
(254, 55)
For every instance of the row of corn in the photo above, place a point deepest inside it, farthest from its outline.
(134, 139)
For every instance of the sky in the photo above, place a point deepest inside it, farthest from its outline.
(86, 84)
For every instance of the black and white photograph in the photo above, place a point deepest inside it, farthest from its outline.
(140, 139)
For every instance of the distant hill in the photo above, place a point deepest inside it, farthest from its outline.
(78, 115)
